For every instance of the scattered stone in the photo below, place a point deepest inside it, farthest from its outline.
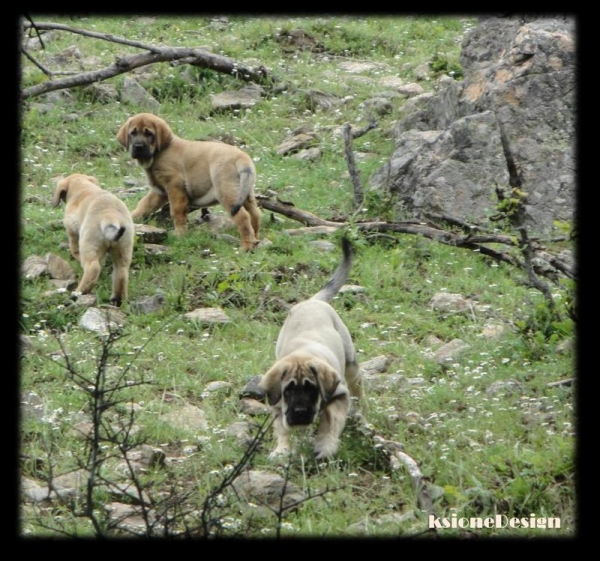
(34, 267)
(392, 521)
(150, 234)
(324, 245)
(252, 389)
(375, 365)
(241, 431)
(102, 321)
(253, 407)
(188, 417)
(218, 386)
(296, 142)
(156, 249)
(432, 341)
(351, 289)
(565, 346)
(450, 351)
(493, 331)
(85, 300)
(32, 406)
(207, 316)
(411, 90)
(148, 304)
(244, 98)
(133, 93)
(311, 230)
(268, 488)
(446, 302)
(58, 268)
(311, 154)
(64, 285)
(378, 105)
(503, 386)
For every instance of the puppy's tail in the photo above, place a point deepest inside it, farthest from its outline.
(113, 232)
(340, 274)
(247, 178)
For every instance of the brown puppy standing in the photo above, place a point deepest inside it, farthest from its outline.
(192, 174)
(97, 223)
(316, 372)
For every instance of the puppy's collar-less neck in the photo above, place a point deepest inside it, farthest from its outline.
(146, 164)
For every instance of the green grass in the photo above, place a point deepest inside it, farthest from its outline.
(509, 452)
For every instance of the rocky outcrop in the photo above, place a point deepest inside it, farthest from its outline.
(509, 123)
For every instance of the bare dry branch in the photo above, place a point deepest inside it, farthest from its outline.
(193, 56)
(470, 241)
(356, 184)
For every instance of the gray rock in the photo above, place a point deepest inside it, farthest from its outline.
(252, 389)
(296, 142)
(310, 154)
(150, 234)
(207, 315)
(264, 487)
(375, 365)
(450, 351)
(218, 386)
(34, 266)
(102, 321)
(148, 304)
(253, 407)
(244, 98)
(510, 122)
(133, 93)
(58, 268)
(447, 302)
(187, 417)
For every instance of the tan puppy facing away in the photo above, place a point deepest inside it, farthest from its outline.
(191, 174)
(97, 223)
(316, 372)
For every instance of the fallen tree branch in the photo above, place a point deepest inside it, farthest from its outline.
(356, 184)
(122, 65)
(470, 241)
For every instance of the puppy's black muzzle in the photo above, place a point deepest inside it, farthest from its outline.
(140, 151)
(302, 403)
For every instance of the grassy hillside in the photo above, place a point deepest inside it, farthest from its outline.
(490, 431)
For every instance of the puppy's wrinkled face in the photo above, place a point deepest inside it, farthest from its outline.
(301, 398)
(144, 135)
(142, 141)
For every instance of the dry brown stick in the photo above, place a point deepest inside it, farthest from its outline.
(356, 184)
(196, 57)
(474, 243)
(289, 210)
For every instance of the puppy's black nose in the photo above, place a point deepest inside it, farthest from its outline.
(139, 150)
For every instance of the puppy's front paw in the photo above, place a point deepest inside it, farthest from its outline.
(326, 449)
(75, 295)
(280, 453)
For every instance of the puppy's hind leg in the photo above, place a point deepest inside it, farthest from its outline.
(120, 281)
(91, 273)
(244, 224)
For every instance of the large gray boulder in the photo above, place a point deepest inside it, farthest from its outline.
(509, 123)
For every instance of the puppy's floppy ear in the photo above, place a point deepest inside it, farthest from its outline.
(164, 134)
(271, 383)
(60, 193)
(122, 135)
(329, 382)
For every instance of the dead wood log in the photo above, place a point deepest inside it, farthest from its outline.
(473, 242)
(122, 65)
